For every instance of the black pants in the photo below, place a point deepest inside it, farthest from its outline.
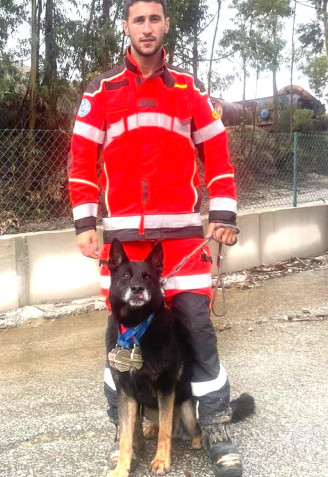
(210, 384)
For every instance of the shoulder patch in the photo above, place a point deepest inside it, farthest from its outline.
(85, 108)
(181, 86)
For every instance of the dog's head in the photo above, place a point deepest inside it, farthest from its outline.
(135, 291)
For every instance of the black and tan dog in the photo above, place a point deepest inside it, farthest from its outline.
(149, 362)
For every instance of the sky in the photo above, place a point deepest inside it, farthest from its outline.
(264, 86)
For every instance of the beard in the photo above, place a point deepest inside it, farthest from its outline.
(145, 51)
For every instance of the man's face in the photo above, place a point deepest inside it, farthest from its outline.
(146, 27)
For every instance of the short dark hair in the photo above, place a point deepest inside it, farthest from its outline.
(128, 3)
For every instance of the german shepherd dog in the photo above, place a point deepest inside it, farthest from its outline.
(158, 377)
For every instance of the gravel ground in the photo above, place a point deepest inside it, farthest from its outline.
(273, 344)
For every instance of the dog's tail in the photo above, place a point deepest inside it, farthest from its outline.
(242, 407)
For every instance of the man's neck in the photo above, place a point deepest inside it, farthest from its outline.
(147, 64)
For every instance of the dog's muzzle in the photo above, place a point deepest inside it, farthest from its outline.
(137, 296)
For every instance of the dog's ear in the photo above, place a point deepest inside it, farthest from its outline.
(155, 258)
(117, 255)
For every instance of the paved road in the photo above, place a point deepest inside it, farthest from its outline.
(53, 414)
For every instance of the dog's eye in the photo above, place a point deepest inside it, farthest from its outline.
(145, 276)
(127, 275)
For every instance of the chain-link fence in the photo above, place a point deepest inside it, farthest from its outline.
(272, 170)
(275, 170)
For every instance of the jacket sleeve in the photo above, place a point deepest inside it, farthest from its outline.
(211, 140)
(87, 140)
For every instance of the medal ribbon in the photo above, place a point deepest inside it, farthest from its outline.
(131, 336)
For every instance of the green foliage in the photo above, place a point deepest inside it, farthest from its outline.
(314, 39)
(12, 14)
(10, 76)
(85, 39)
(188, 18)
(303, 120)
(311, 37)
(316, 69)
(257, 36)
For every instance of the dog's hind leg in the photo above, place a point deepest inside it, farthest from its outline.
(127, 410)
(162, 461)
(150, 430)
(188, 417)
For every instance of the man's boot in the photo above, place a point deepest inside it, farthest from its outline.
(222, 453)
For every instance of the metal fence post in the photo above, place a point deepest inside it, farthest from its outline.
(296, 134)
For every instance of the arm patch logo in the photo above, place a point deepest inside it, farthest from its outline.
(85, 108)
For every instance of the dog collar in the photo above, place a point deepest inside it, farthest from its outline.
(131, 336)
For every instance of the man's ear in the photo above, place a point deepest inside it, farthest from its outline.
(126, 28)
(156, 257)
(117, 255)
(167, 25)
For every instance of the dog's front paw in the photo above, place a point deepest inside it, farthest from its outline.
(160, 466)
(117, 473)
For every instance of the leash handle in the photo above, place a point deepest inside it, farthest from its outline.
(219, 284)
(219, 281)
(227, 226)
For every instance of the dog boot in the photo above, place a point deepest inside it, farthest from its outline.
(222, 453)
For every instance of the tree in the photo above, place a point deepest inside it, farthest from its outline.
(271, 15)
(314, 39)
(12, 14)
(316, 69)
(50, 57)
(209, 76)
(183, 43)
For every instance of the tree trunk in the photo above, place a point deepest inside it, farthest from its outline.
(209, 81)
(274, 77)
(38, 29)
(32, 88)
(32, 83)
(275, 99)
(325, 23)
(106, 4)
(50, 67)
(243, 129)
(85, 40)
(291, 118)
(195, 51)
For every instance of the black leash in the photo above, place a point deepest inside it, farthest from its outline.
(219, 281)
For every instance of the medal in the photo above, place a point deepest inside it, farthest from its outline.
(127, 353)
(125, 359)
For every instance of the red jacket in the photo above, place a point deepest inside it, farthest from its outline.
(146, 131)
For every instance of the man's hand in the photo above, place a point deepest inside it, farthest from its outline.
(88, 243)
(226, 235)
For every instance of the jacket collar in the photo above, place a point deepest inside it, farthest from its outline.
(162, 70)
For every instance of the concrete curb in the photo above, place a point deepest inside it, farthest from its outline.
(47, 267)
(31, 314)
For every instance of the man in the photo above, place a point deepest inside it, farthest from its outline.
(146, 118)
